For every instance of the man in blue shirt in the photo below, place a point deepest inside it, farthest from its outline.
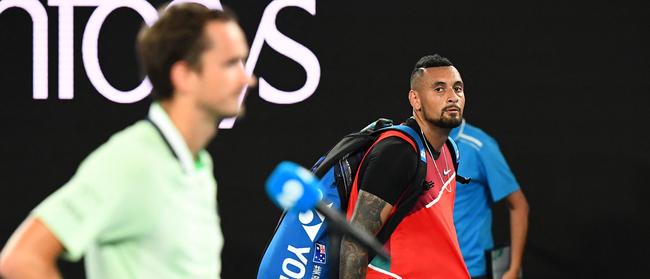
(492, 180)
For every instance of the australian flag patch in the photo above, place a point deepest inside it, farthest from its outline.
(320, 255)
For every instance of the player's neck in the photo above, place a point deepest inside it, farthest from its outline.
(436, 136)
(195, 126)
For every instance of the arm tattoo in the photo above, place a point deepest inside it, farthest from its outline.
(367, 215)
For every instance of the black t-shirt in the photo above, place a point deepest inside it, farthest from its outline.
(390, 167)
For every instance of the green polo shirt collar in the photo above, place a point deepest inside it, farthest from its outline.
(161, 119)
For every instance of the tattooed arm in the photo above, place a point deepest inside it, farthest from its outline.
(387, 170)
(370, 214)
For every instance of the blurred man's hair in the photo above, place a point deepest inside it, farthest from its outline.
(178, 35)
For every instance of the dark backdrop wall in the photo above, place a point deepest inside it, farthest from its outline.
(562, 86)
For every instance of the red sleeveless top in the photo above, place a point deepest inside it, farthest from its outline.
(424, 244)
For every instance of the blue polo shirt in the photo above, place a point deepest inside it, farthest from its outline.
(492, 180)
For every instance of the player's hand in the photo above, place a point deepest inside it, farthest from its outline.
(510, 274)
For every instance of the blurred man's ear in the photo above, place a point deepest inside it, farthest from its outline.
(181, 76)
(414, 100)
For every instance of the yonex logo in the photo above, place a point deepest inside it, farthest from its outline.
(307, 218)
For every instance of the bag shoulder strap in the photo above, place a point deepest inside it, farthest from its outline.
(455, 155)
(412, 137)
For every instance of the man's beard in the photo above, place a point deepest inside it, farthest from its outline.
(447, 122)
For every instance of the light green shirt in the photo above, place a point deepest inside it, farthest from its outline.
(136, 209)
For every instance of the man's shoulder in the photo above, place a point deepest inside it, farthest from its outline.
(476, 132)
(474, 136)
(393, 145)
(136, 146)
